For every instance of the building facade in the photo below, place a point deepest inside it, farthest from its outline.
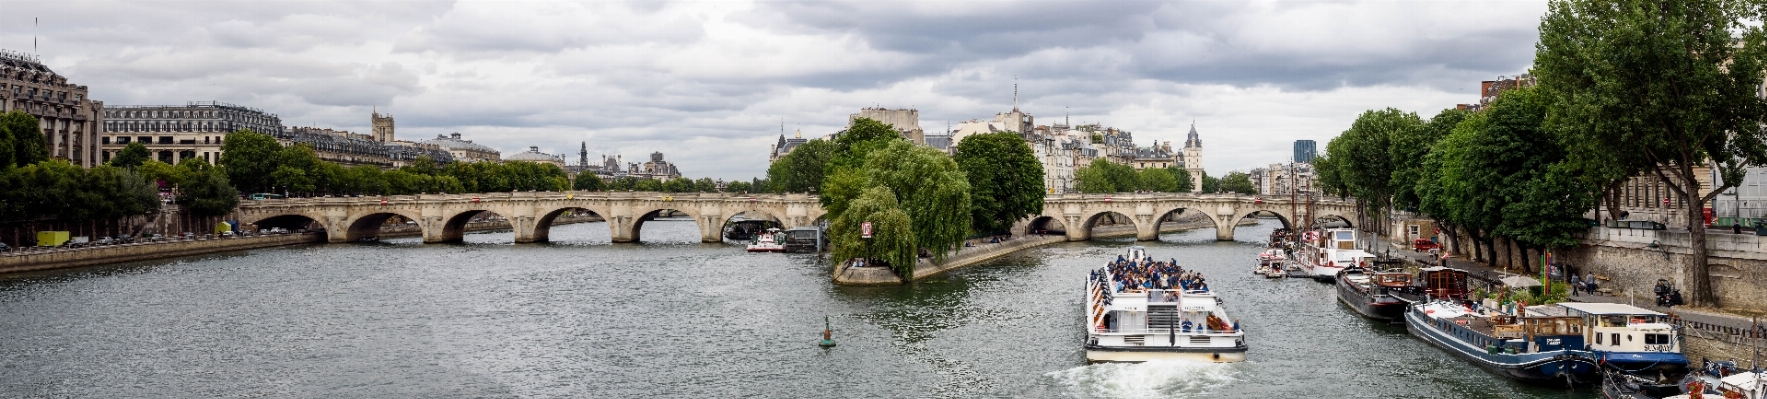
(784, 146)
(69, 120)
(1193, 158)
(905, 120)
(534, 155)
(464, 150)
(174, 133)
(1305, 150)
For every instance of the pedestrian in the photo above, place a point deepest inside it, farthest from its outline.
(1736, 227)
(1576, 284)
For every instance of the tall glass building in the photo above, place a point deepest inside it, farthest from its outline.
(1305, 150)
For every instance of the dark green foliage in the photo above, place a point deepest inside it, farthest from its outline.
(1211, 185)
(1182, 177)
(1239, 183)
(22, 140)
(802, 170)
(1005, 180)
(1658, 87)
(1104, 176)
(131, 156)
(249, 158)
(205, 190)
(892, 239)
(588, 182)
(738, 186)
(647, 185)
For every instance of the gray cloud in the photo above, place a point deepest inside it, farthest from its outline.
(709, 82)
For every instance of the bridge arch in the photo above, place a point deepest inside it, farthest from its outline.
(1160, 217)
(634, 231)
(1228, 227)
(1090, 222)
(727, 225)
(1042, 224)
(541, 230)
(368, 224)
(453, 227)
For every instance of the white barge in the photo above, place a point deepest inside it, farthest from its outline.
(1138, 310)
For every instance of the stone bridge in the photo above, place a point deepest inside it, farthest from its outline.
(1078, 214)
(443, 217)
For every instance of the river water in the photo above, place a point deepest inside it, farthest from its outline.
(582, 317)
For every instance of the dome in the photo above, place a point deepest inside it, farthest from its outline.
(456, 144)
(533, 155)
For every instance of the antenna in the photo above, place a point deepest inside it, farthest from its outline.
(1015, 93)
(34, 23)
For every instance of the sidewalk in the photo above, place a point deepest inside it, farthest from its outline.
(1703, 319)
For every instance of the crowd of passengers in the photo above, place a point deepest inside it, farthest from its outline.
(1138, 275)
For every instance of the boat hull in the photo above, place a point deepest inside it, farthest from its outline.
(1103, 354)
(1556, 367)
(770, 249)
(1325, 273)
(1383, 308)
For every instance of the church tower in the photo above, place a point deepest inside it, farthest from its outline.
(383, 127)
(1193, 158)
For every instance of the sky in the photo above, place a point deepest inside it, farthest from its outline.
(710, 83)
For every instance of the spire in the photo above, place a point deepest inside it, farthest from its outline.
(1015, 94)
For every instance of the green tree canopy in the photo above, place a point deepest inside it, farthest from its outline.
(205, 190)
(23, 138)
(1005, 180)
(892, 234)
(1158, 180)
(1181, 176)
(131, 156)
(802, 170)
(1211, 184)
(1104, 176)
(1239, 183)
(1659, 87)
(587, 181)
(931, 190)
(249, 158)
(738, 187)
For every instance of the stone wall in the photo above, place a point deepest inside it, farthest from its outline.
(926, 268)
(1738, 263)
(65, 258)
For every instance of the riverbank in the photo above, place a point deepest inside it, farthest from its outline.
(845, 275)
(65, 258)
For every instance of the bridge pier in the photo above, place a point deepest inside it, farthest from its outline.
(1146, 231)
(711, 228)
(1077, 230)
(1224, 230)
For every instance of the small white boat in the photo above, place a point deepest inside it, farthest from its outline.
(767, 243)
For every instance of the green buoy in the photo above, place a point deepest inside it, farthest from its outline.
(827, 334)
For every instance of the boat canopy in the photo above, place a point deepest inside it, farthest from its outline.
(1605, 309)
(1352, 255)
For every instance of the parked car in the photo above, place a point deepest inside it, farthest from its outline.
(1424, 244)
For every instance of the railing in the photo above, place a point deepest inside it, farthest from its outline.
(1162, 331)
(1736, 332)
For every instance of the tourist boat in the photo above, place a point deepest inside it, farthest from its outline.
(1329, 251)
(1539, 349)
(1138, 325)
(1266, 259)
(767, 243)
(1369, 292)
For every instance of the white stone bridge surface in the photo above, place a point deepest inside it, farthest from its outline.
(1079, 213)
(443, 217)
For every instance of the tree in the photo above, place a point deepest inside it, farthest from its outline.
(1005, 180)
(892, 235)
(1182, 177)
(1158, 180)
(1365, 159)
(587, 181)
(1238, 182)
(25, 144)
(205, 190)
(1092, 180)
(1659, 87)
(647, 185)
(1326, 177)
(705, 185)
(931, 190)
(1211, 184)
(1104, 176)
(678, 185)
(157, 171)
(249, 158)
(1408, 149)
(131, 156)
(622, 183)
(803, 169)
(738, 187)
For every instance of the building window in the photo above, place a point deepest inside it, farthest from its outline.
(104, 140)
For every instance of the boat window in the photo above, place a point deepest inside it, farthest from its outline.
(1656, 339)
(1615, 338)
(1345, 235)
(1598, 339)
(1628, 337)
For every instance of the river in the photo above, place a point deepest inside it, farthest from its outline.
(581, 317)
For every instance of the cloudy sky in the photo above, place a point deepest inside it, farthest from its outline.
(708, 83)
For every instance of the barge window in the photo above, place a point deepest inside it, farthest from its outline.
(1615, 339)
(1656, 339)
(1598, 339)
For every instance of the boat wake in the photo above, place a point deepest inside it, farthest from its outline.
(1161, 379)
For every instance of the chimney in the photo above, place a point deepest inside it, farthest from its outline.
(456, 135)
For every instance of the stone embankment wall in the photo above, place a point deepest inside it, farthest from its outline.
(64, 258)
(926, 268)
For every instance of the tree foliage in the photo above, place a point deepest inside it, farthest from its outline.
(131, 156)
(588, 182)
(1239, 183)
(204, 190)
(802, 170)
(1005, 180)
(1659, 87)
(249, 158)
(892, 234)
(21, 138)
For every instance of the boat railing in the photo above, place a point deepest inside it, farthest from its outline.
(1180, 331)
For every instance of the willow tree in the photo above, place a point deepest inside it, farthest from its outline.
(931, 189)
(892, 236)
(1659, 87)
